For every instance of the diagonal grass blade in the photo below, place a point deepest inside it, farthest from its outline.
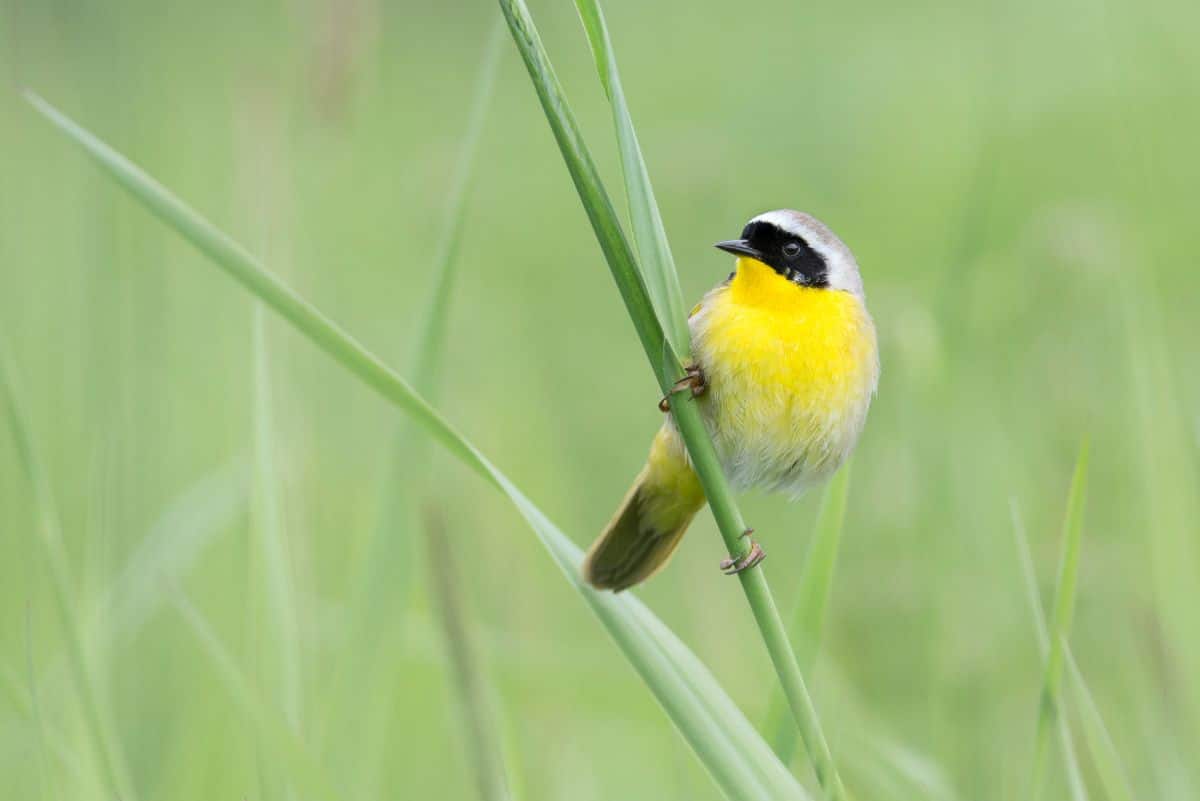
(1060, 622)
(744, 768)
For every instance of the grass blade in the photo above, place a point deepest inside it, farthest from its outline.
(816, 583)
(385, 575)
(735, 764)
(425, 357)
(1060, 622)
(24, 698)
(1108, 763)
(272, 729)
(664, 361)
(282, 643)
(1105, 757)
(66, 606)
(175, 542)
(654, 254)
(596, 204)
(46, 786)
(487, 753)
(1070, 756)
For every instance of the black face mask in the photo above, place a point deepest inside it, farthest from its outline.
(787, 254)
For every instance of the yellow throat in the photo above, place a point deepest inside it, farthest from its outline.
(791, 370)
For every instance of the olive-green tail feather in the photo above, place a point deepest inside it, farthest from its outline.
(632, 548)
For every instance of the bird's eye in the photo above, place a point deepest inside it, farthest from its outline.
(791, 250)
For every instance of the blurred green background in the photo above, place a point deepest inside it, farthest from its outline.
(1017, 181)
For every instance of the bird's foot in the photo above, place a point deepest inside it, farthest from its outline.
(693, 379)
(755, 555)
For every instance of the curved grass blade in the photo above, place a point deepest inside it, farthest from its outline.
(174, 543)
(66, 606)
(272, 729)
(1060, 623)
(736, 764)
(808, 618)
(654, 254)
(664, 361)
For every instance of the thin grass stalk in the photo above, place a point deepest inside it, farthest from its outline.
(1105, 757)
(174, 543)
(1070, 756)
(275, 633)
(1169, 471)
(741, 766)
(273, 732)
(1060, 622)
(46, 787)
(808, 616)
(383, 587)
(272, 541)
(108, 755)
(649, 235)
(425, 356)
(486, 751)
(23, 695)
(665, 362)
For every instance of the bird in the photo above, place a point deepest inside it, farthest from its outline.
(785, 364)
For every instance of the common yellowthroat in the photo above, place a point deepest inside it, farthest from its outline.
(786, 364)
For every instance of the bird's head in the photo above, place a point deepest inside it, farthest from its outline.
(800, 248)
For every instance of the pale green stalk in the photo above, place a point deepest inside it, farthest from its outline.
(1169, 472)
(487, 754)
(23, 700)
(272, 541)
(46, 786)
(1107, 761)
(1105, 757)
(808, 617)
(654, 253)
(383, 588)
(743, 766)
(273, 731)
(275, 637)
(108, 754)
(665, 360)
(1060, 622)
(1070, 756)
(425, 357)
(171, 547)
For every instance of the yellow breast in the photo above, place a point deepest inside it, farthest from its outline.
(791, 371)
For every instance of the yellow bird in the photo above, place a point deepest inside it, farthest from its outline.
(786, 364)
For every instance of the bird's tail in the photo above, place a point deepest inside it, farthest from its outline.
(650, 521)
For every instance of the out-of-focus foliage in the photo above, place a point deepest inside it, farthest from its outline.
(1017, 183)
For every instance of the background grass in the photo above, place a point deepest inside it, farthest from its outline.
(1017, 182)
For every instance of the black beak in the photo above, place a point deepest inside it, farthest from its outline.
(739, 247)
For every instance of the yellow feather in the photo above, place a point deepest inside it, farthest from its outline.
(791, 370)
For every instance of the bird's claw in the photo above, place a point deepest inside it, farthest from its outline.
(693, 379)
(755, 555)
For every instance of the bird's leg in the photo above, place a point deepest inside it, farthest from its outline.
(693, 379)
(755, 555)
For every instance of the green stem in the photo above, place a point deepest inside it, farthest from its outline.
(727, 744)
(667, 367)
(758, 594)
